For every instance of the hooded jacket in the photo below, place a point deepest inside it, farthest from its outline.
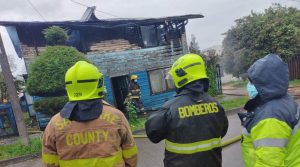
(192, 125)
(271, 136)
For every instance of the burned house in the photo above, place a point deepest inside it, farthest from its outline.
(119, 47)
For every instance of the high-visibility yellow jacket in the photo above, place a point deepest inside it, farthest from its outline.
(271, 137)
(103, 142)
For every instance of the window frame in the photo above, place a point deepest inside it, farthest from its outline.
(164, 86)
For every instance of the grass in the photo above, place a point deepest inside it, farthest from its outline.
(139, 124)
(237, 84)
(241, 83)
(17, 149)
(234, 103)
(294, 82)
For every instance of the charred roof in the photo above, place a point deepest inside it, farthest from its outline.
(108, 23)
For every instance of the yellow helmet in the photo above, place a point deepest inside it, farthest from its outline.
(83, 82)
(133, 77)
(188, 68)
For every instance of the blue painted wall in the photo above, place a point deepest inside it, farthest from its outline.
(129, 62)
(150, 101)
(109, 95)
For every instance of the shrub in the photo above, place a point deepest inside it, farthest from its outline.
(55, 35)
(50, 105)
(131, 112)
(46, 72)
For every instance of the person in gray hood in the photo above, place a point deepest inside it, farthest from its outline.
(271, 134)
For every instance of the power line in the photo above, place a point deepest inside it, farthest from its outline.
(31, 4)
(106, 13)
(95, 9)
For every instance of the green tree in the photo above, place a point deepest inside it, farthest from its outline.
(46, 72)
(50, 105)
(55, 35)
(46, 77)
(194, 46)
(276, 30)
(211, 59)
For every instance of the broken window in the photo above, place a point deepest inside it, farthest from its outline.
(149, 36)
(162, 35)
(158, 81)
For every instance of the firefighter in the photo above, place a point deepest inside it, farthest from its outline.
(88, 132)
(134, 94)
(192, 123)
(271, 134)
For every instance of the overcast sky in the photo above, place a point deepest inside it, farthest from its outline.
(219, 14)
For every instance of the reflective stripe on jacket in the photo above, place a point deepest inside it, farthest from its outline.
(272, 141)
(192, 125)
(272, 137)
(103, 142)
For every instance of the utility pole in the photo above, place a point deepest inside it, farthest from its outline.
(12, 94)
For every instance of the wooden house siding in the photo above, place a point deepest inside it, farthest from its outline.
(151, 101)
(137, 62)
(126, 62)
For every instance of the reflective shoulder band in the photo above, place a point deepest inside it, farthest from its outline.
(296, 128)
(191, 148)
(270, 142)
(109, 161)
(50, 159)
(128, 153)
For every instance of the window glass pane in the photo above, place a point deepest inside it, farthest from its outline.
(162, 35)
(169, 82)
(149, 36)
(156, 81)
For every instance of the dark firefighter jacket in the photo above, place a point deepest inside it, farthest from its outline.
(134, 91)
(271, 136)
(193, 124)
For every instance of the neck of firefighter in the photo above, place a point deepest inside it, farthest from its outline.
(198, 86)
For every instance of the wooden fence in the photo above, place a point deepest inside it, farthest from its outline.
(294, 68)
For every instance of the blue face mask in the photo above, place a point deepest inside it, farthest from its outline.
(252, 92)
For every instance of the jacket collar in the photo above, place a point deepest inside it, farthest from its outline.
(253, 103)
(82, 110)
(194, 90)
(196, 87)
